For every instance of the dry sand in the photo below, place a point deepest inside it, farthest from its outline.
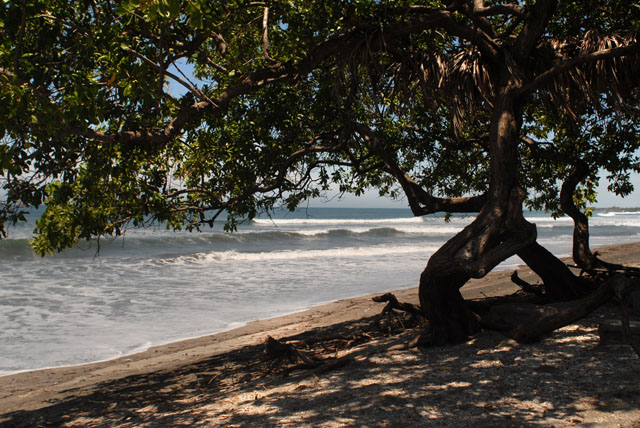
(221, 380)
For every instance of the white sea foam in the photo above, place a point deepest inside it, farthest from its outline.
(334, 253)
(324, 221)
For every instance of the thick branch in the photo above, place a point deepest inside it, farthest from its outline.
(420, 201)
(535, 24)
(558, 69)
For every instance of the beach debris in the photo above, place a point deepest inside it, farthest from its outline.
(278, 351)
(390, 309)
(525, 286)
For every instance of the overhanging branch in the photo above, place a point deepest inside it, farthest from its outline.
(420, 201)
(558, 69)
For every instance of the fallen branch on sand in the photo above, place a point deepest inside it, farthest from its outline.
(390, 309)
(532, 331)
(277, 351)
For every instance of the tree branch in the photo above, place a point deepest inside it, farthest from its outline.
(376, 36)
(535, 24)
(265, 34)
(479, 9)
(574, 62)
(420, 202)
(189, 86)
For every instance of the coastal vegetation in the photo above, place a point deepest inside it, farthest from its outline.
(458, 106)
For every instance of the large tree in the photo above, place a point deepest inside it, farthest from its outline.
(460, 106)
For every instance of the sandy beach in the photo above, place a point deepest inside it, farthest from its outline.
(566, 379)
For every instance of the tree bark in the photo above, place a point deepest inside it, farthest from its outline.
(582, 254)
(532, 331)
(559, 282)
(498, 232)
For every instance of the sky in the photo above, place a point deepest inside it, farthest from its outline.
(371, 199)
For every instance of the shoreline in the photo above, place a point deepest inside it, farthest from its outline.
(36, 389)
(233, 326)
(138, 349)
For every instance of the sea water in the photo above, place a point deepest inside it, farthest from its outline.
(155, 286)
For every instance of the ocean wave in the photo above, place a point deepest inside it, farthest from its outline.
(320, 221)
(350, 252)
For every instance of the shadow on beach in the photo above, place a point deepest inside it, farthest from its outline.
(566, 379)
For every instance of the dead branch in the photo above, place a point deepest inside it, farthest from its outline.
(390, 309)
(529, 288)
(622, 291)
(395, 304)
(277, 350)
(532, 331)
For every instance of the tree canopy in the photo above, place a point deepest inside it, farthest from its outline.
(459, 106)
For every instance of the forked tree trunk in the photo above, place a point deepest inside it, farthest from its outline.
(498, 232)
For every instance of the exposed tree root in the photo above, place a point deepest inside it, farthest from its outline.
(532, 331)
(600, 267)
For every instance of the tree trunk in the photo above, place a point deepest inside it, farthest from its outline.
(498, 232)
(492, 237)
(582, 254)
(559, 282)
(532, 331)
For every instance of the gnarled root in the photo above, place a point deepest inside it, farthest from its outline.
(532, 331)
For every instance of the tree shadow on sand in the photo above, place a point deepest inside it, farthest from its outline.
(566, 379)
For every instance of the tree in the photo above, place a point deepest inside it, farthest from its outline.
(455, 104)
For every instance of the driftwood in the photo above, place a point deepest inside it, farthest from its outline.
(392, 305)
(532, 331)
(526, 287)
(277, 351)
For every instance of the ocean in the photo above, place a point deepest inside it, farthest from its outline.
(156, 286)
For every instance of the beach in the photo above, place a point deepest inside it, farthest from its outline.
(568, 378)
